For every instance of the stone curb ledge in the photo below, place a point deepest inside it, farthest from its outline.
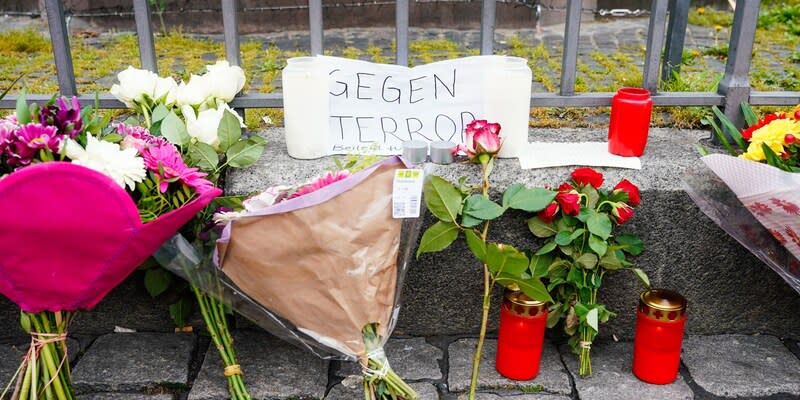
(158, 366)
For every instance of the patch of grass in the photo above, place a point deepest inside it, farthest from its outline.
(708, 16)
(23, 41)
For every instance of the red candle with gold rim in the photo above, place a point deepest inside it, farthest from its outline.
(520, 337)
(660, 319)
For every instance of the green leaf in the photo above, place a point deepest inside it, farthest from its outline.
(548, 247)
(437, 237)
(540, 264)
(233, 202)
(749, 115)
(541, 229)
(480, 207)
(630, 244)
(592, 196)
(530, 200)
(132, 121)
(468, 221)
(575, 276)
(22, 111)
(180, 310)
(598, 245)
(721, 136)
(611, 262)
(245, 153)
(728, 125)
(229, 130)
(599, 224)
(475, 244)
(159, 113)
(442, 198)
(642, 277)
(554, 316)
(112, 138)
(156, 281)
(203, 156)
(591, 319)
(505, 258)
(564, 238)
(174, 130)
(587, 260)
(533, 287)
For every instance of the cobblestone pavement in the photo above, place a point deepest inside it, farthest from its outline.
(160, 366)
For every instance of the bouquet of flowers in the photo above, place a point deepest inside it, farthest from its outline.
(761, 171)
(461, 210)
(195, 117)
(83, 205)
(581, 248)
(320, 265)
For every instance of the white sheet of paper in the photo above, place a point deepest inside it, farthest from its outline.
(593, 154)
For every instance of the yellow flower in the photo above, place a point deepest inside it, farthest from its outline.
(701, 10)
(772, 135)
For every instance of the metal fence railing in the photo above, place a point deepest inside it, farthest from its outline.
(668, 22)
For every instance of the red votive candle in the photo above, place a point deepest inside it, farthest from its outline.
(660, 319)
(520, 337)
(630, 122)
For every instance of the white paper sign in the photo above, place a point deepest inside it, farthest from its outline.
(377, 107)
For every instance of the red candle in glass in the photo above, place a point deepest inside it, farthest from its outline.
(520, 337)
(660, 319)
(630, 122)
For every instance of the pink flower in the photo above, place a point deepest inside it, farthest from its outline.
(137, 137)
(25, 142)
(482, 138)
(319, 183)
(8, 127)
(166, 163)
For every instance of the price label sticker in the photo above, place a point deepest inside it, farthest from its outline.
(407, 193)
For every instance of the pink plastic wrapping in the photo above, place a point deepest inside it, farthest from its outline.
(757, 205)
(313, 270)
(71, 234)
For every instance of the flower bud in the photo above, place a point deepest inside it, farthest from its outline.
(621, 213)
(632, 191)
(569, 202)
(587, 176)
(789, 138)
(548, 213)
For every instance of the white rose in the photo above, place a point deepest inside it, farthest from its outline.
(193, 93)
(133, 85)
(223, 107)
(165, 90)
(203, 126)
(225, 80)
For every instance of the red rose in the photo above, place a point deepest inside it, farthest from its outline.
(548, 213)
(587, 176)
(565, 187)
(632, 191)
(622, 212)
(747, 134)
(569, 202)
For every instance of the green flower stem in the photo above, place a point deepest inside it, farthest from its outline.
(51, 362)
(26, 384)
(488, 283)
(213, 313)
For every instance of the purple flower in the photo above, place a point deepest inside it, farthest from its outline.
(24, 144)
(63, 116)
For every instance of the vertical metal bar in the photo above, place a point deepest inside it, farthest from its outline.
(569, 61)
(487, 27)
(655, 41)
(401, 21)
(315, 26)
(62, 55)
(230, 24)
(144, 31)
(676, 34)
(735, 84)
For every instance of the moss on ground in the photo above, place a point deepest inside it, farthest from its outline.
(97, 59)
